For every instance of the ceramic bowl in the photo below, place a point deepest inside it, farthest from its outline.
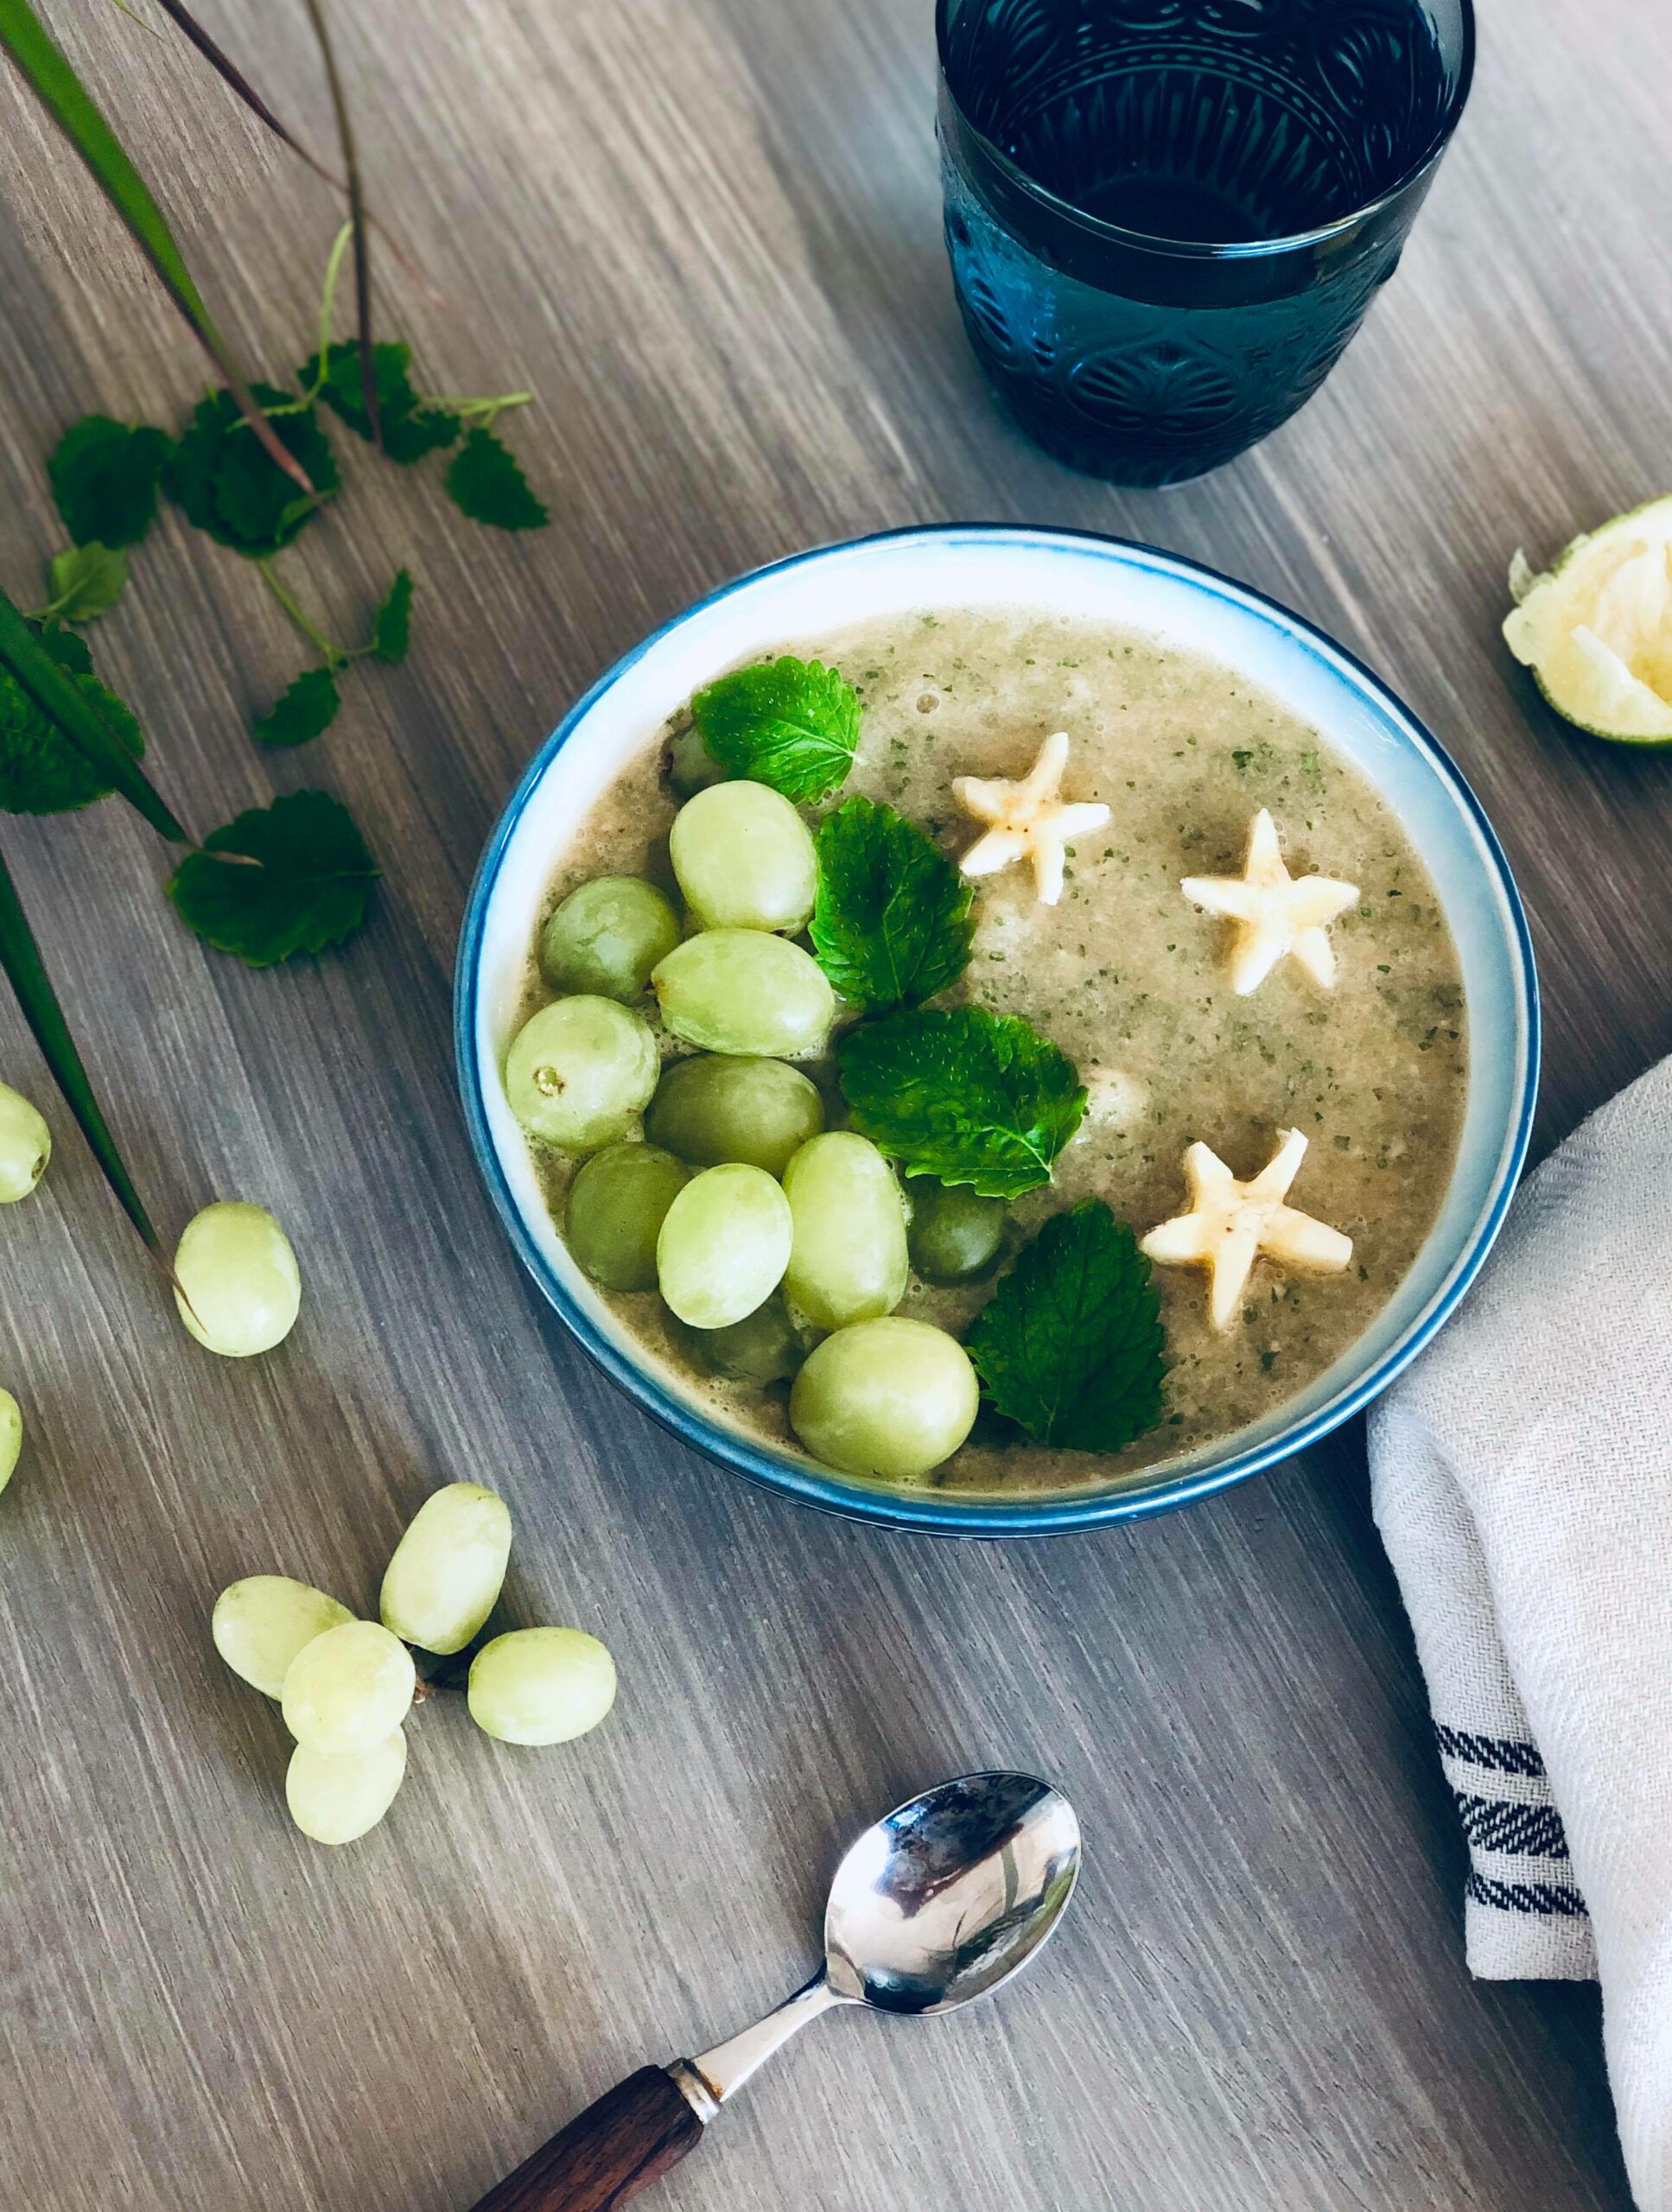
(1068, 573)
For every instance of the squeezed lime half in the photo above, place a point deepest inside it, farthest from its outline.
(1595, 629)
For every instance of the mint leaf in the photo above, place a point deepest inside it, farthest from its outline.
(1071, 1346)
(789, 723)
(968, 1096)
(392, 627)
(891, 926)
(41, 771)
(104, 477)
(485, 482)
(307, 707)
(308, 891)
(87, 581)
(227, 485)
(410, 429)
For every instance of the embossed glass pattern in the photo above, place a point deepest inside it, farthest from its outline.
(1166, 218)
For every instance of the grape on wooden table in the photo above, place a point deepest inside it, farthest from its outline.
(11, 1436)
(260, 1624)
(891, 1397)
(336, 1799)
(239, 1287)
(25, 1146)
(349, 1689)
(446, 1571)
(538, 1686)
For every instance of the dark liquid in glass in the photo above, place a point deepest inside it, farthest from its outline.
(1129, 187)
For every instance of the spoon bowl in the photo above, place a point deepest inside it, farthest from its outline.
(951, 1893)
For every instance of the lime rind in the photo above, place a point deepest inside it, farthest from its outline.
(1596, 628)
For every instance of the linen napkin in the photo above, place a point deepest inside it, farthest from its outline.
(1521, 1478)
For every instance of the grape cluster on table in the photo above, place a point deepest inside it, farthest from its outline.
(346, 1686)
(780, 1249)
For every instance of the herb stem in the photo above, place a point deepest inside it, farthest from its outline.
(489, 407)
(335, 657)
(328, 315)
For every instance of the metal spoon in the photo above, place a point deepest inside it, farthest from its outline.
(944, 1899)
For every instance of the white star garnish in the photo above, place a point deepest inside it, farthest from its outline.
(1029, 818)
(1231, 1224)
(1276, 916)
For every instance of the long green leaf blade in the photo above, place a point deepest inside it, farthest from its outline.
(60, 91)
(73, 714)
(20, 955)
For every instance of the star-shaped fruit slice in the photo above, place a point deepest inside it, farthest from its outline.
(1231, 1224)
(1277, 917)
(1027, 819)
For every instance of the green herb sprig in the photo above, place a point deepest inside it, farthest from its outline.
(793, 724)
(892, 924)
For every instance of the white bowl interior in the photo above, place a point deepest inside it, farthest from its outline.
(825, 592)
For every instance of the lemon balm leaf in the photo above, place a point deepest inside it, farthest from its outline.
(967, 1097)
(309, 706)
(87, 581)
(228, 486)
(485, 481)
(291, 878)
(410, 429)
(392, 627)
(1071, 1346)
(891, 926)
(104, 476)
(41, 771)
(791, 723)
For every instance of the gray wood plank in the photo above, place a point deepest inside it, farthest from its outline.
(709, 236)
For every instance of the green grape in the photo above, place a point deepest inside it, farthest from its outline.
(744, 991)
(606, 936)
(25, 1146)
(540, 1685)
(724, 1246)
(261, 1623)
(712, 1108)
(892, 1398)
(444, 1581)
(349, 1688)
(11, 1435)
(616, 1206)
(579, 1070)
(847, 1261)
(691, 766)
(955, 1235)
(336, 1799)
(764, 1346)
(745, 858)
(237, 1284)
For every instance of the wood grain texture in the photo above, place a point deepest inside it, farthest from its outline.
(706, 232)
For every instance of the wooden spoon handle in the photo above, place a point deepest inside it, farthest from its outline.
(634, 2132)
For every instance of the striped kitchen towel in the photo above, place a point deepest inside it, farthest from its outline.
(1522, 1475)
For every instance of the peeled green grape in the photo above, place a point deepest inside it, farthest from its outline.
(336, 1799)
(691, 766)
(25, 1146)
(349, 1689)
(239, 1287)
(745, 991)
(713, 1107)
(848, 1260)
(607, 936)
(745, 858)
(444, 1578)
(261, 1623)
(890, 1397)
(764, 1346)
(579, 1070)
(540, 1685)
(724, 1246)
(11, 1435)
(616, 1206)
(955, 1235)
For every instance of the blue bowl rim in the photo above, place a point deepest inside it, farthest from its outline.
(922, 1512)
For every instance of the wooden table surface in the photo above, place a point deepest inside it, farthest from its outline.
(706, 232)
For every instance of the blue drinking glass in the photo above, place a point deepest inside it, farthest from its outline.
(1166, 218)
